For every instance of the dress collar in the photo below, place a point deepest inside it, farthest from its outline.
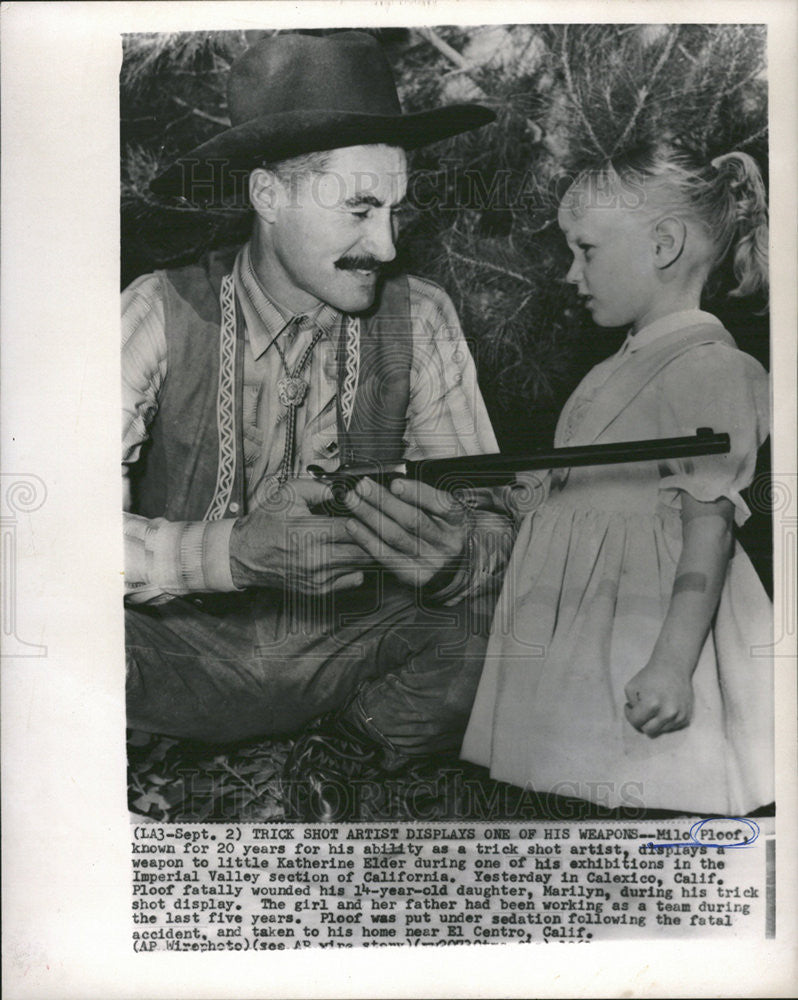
(265, 318)
(666, 325)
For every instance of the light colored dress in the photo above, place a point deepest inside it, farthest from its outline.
(590, 581)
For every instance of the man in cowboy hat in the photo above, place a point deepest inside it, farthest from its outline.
(248, 613)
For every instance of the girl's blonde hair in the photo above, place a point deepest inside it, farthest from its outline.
(727, 196)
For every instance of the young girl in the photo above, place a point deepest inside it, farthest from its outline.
(628, 662)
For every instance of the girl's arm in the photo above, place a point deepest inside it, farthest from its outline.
(660, 697)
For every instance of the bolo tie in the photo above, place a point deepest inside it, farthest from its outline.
(292, 389)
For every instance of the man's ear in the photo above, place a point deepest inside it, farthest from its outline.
(670, 234)
(264, 190)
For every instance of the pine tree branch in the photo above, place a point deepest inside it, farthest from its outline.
(745, 80)
(454, 57)
(644, 92)
(753, 137)
(687, 55)
(487, 266)
(522, 305)
(249, 787)
(136, 197)
(444, 48)
(569, 83)
(225, 122)
(455, 277)
(722, 93)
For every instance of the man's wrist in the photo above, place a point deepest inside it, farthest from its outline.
(453, 579)
(445, 582)
(449, 583)
(216, 557)
(241, 574)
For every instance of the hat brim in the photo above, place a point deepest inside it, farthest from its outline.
(213, 168)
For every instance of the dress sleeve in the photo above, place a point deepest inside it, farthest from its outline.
(719, 387)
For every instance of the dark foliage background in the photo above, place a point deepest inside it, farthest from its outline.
(481, 222)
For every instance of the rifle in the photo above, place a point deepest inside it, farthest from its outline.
(475, 471)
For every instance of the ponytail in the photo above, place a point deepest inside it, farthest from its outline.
(738, 176)
(727, 197)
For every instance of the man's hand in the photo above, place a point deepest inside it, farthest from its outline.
(280, 543)
(659, 698)
(412, 529)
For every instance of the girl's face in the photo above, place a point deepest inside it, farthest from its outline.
(614, 256)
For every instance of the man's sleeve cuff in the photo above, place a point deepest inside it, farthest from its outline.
(216, 555)
(191, 556)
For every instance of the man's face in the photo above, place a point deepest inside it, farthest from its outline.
(330, 232)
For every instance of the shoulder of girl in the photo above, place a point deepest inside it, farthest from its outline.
(716, 375)
(722, 356)
(734, 359)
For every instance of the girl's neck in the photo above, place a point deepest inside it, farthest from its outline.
(687, 299)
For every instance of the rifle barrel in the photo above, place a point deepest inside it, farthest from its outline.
(495, 470)
(481, 466)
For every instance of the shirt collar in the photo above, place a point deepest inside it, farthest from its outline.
(666, 325)
(265, 318)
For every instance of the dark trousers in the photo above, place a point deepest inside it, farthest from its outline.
(231, 667)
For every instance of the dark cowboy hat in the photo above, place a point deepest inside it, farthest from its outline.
(293, 94)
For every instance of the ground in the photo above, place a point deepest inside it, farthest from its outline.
(181, 781)
(177, 780)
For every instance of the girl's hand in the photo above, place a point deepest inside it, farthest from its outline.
(659, 698)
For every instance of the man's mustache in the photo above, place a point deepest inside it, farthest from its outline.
(358, 264)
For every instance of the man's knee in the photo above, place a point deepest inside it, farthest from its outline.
(423, 706)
